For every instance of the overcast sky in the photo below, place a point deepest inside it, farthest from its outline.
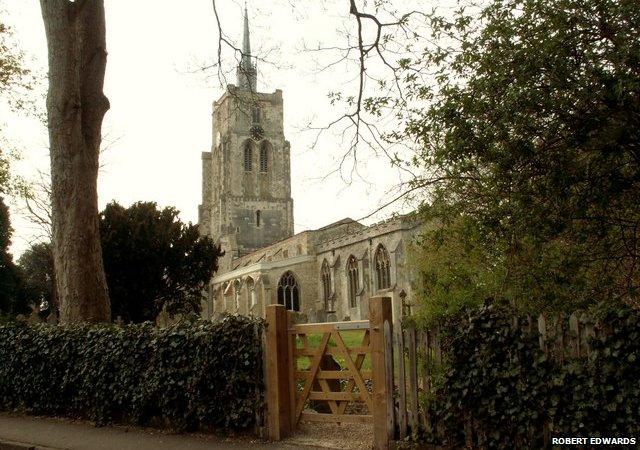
(160, 116)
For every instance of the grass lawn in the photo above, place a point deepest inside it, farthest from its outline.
(351, 338)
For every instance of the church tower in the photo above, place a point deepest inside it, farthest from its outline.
(246, 177)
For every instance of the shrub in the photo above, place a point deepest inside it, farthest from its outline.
(187, 376)
(497, 375)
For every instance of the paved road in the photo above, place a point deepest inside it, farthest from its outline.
(65, 435)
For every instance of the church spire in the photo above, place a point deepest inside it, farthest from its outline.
(246, 42)
(246, 72)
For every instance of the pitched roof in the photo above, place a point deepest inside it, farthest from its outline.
(346, 220)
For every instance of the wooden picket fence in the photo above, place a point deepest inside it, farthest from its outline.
(405, 365)
(417, 360)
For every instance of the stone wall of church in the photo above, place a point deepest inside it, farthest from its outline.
(204, 210)
(240, 197)
(394, 236)
(247, 284)
(250, 282)
(250, 211)
(249, 191)
(233, 118)
(253, 231)
(249, 291)
(297, 245)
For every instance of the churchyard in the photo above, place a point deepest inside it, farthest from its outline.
(461, 269)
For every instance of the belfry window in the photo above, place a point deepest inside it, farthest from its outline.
(248, 157)
(352, 275)
(288, 292)
(264, 157)
(383, 273)
(255, 115)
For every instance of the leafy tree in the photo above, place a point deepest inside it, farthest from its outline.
(154, 261)
(15, 78)
(38, 276)
(76, 105)
(454, 271)
(11, 300)
(15, 81)
(531, 144)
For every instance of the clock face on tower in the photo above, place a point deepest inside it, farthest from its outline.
(256, 132)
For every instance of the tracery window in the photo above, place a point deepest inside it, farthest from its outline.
(288, 292)
(251, 293)
(383, 272)
(326, 285)
(352, 275)
(248, 157)
(227, 292)
(264, 157)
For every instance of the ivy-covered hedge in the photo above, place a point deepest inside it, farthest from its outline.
(187, 376)
(498, 377)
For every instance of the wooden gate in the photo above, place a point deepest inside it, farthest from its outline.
(315, 363)
(311, 374)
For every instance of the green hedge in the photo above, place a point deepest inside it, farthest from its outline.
(498, 376)
(187, 376)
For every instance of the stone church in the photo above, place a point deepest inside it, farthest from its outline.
(326, 274)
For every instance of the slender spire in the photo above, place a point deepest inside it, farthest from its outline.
(246, 70)
(246, 40)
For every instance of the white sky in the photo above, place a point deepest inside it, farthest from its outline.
(159, 121)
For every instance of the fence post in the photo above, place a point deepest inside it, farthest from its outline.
(278, 386)
(381, 332)
(402, 379)
(413, 380)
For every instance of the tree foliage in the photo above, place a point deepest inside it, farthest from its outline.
(11, 298)
(16, 81)
(38, 276)
(454, 272)
(531, 144)
(154, 261)
(15, 78)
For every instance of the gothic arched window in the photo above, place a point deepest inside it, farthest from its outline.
(383, 272)
(251, 293)
(248, 156)
(288, 292)
(326, 285)
(352, 275)
(264, 157)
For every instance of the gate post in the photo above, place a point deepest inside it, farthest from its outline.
(277, 382)
(380, 320)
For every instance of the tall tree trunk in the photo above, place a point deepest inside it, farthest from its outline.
(76, 106)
